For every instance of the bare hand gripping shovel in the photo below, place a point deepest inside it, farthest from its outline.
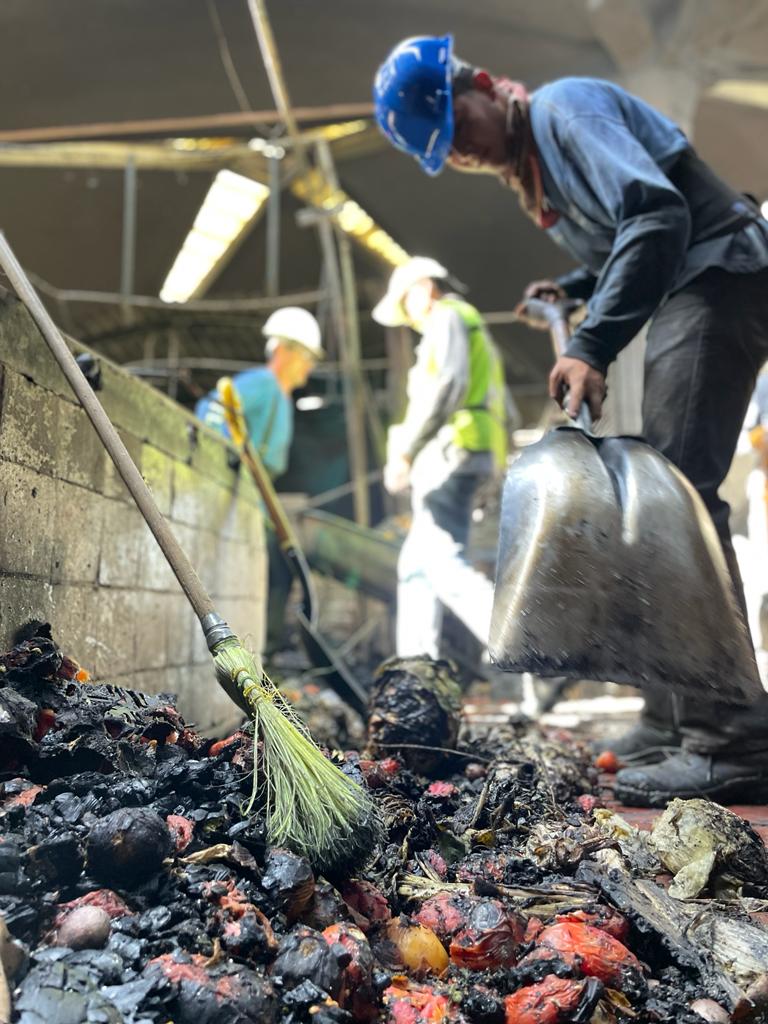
(609, 567)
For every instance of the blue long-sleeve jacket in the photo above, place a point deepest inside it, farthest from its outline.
(268, 413)
(606, 160)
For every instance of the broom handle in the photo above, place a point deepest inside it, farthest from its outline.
(141, 494)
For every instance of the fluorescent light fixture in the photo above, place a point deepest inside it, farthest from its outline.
(229, 207)
(750, 92)
(764, 209)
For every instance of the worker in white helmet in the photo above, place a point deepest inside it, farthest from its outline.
(293, 348)
(452, 440)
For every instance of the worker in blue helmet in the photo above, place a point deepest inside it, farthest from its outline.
(412, 96)
(658, 237)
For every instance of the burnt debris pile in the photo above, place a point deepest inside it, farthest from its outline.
(134, 890)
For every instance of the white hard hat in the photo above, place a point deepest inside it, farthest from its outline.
(389, 311)
(295, 324)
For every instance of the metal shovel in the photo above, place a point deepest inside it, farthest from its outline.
(609, 567)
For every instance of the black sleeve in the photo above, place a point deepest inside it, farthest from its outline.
(627, 189)
(578, 284)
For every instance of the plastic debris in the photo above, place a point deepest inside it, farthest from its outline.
(706, 846)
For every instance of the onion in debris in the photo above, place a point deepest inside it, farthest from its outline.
(84, 928)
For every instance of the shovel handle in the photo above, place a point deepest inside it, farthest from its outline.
(555, 316)
(233, 414)
(289, 544)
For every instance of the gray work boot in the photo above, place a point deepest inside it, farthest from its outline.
(642, 744)
(726, 778)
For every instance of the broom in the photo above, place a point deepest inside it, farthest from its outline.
(310, 805)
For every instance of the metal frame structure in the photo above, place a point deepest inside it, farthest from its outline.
(281, 161)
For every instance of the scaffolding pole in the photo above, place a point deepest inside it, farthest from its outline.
(361, 398)
(272, 272)
(128, 247)
(355, 411)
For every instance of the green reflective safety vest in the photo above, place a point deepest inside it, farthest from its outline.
(480, 424)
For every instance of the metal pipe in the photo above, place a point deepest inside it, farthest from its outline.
(272, 271)
(174, 347)
(355, 424)
(353, 421)
(325, 497)
(273, 67)
(179, 125)
(193, 306)
(215, 363)
(128, 253)
(361, 403)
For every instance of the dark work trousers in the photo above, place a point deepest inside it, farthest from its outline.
(705, 348)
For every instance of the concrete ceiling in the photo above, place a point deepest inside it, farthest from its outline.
(113, 60)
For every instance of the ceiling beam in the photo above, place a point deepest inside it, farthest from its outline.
(211, 123)
(189, 156)
(147, 156)
(254, 305)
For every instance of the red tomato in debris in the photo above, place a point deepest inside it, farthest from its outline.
(605, 918)
(587, 802)
(607, 762)
(446, 913)
(548, 1002)
(216, 748)
(594, 953)
(409, 1003)
(491, 938)
(46, 718)
(358, 994)
(441, 789)
(182, 831)
(366, 901)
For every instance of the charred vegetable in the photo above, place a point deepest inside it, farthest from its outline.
(415, 702)
(128, 846)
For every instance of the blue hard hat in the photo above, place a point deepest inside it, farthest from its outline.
(413, 101)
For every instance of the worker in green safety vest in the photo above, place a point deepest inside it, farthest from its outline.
(452, 440)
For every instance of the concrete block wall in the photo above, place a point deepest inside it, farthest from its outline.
(74, 550)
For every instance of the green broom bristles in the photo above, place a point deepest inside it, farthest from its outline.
(311, 806)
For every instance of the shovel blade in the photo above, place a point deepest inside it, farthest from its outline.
(610, 569)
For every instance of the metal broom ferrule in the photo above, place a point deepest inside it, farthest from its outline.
(215, 630)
